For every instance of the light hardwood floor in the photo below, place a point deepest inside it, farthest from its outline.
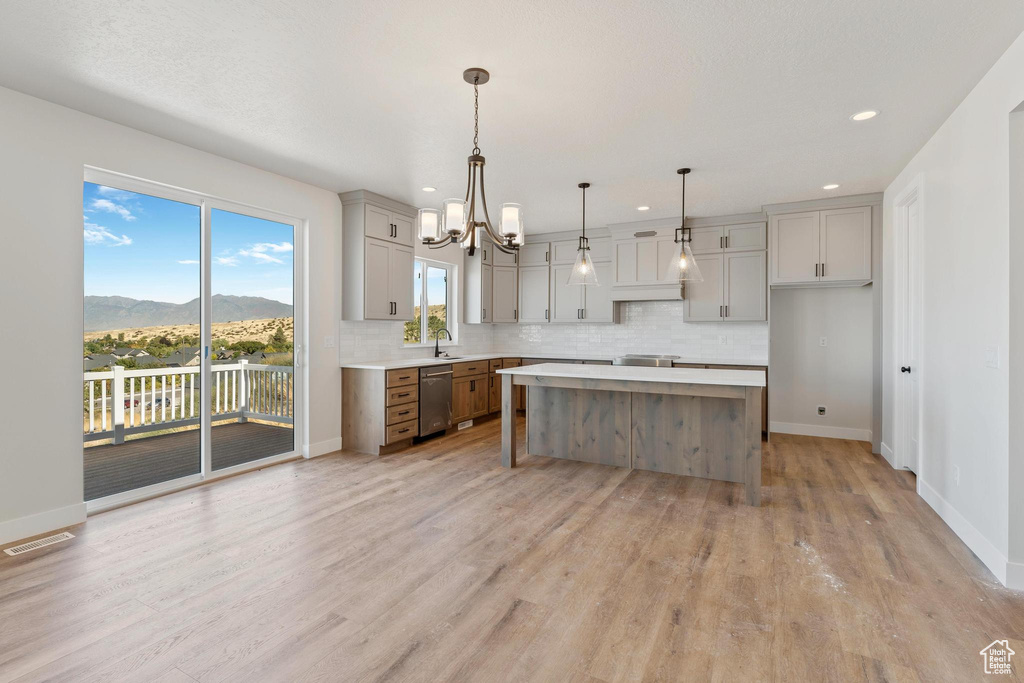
(437, 564)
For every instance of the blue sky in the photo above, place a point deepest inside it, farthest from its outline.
(148, 248)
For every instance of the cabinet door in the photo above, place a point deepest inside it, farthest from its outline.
(846, 244)
(566, 300)
(534, 254)
(494, 392)
(487, 254)
(377, 285)
(745, 286)
(500, 258)
(793, 244)
(748, 237)
(598, 306)
(533, 294)
(404, 230)
(600, 249)
(625, 262)
(377, 223)
(401, 277)
(503, 294)
(479, 395)
(706, 240)
(486, 309)
(647, 261)
(565, 251)
(462, 400)
(706, 300)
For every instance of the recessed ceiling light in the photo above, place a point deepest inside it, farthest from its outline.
(643, 208)
(864, 115)
(830, 186)
(429, 189)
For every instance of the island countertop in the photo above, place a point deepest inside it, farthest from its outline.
(735, 378)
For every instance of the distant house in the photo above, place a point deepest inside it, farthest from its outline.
(126, 352)
(186, 357)
(94, 361)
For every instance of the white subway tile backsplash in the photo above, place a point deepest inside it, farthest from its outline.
(646, 327)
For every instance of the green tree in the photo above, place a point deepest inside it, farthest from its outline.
(248, 346)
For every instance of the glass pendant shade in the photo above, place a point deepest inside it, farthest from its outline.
(454, 217)
(475, 240)
(511, 221)
(428, 224)
(583, 272)
(682, 267)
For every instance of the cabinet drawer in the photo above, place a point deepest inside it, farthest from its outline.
(403, 377)
(495, 364)
(399, 395)
(477, 367)
(403, 430)
(403, 412)
(511, 363)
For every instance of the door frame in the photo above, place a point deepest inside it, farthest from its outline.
(907, 261)
(206, 203)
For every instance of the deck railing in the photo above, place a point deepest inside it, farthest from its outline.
(119, 402)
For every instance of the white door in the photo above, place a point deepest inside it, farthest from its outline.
(846, 244)
(402, 284)
(598, 306)
(503, 293)
(533, 294)
(485, 294)
(793, 243)
(706, 300)
(377, 292)
(908, 355)
(566, 300)
(745, 286)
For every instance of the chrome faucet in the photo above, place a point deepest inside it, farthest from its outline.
(437, 341)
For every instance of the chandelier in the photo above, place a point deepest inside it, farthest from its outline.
(457, 221)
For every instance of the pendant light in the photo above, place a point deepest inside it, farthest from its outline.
(682, 267)
(583, 272)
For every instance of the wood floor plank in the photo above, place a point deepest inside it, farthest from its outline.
(437, 564)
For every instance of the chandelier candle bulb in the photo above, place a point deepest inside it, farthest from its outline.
(511, 220)
(455, 217)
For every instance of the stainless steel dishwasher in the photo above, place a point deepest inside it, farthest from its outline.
(435, 399)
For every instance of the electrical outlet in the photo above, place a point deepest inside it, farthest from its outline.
(723, 339)
(992, 356)
(956, 475)
(822, 341)
(328, 342)
(821, 410)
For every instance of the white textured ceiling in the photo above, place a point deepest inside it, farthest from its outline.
(755, 95)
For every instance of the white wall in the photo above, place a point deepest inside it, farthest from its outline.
(966, 265)
(806, 375)
(1015, 360)
(44, 149)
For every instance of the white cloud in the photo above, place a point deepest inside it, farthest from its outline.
(260, 256)
(97, 234)
(111, 207)
(188, 262)
(226, 260)
(120, 195)
(270, 246)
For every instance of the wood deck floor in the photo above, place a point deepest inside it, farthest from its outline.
(111, 469)
(437, 564)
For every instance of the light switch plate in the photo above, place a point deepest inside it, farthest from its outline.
(992, 357)
(328, 342)
(822, 341)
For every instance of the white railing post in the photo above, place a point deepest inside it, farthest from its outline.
(243, 392)
(117, 408)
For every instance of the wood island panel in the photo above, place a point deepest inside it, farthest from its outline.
(578, 424)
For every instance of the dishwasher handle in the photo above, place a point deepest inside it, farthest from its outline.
(439, 374)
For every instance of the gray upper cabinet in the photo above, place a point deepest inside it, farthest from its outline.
(504, 294)
(477, 300)
(534, 283)
(746, 286)
(705, 301)
(733, 262)
(746, 237)
(820, 248)
(707, 240)
(377, 257)
(500, 258)
(566, 300)
(534, 254)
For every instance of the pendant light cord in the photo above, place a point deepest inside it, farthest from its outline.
(584, 214)
(476, 115)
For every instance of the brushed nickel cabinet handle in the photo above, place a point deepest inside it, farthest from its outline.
(815, 270)
(721, 311)
(823, 270)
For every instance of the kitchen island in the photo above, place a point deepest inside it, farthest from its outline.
(689, 421)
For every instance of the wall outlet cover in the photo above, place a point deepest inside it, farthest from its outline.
(822, 341)
(821, 410)
(992, 357)
(723, 339)
(328, 342)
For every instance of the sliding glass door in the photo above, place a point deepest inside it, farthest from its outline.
(189, 346)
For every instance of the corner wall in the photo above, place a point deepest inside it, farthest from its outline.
(45, 149)
(965, 287)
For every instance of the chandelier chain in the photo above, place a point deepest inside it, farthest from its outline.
(476, 115)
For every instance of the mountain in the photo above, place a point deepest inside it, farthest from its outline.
(119, 312)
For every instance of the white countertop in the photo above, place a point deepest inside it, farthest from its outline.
(395, 363)
(742, 378)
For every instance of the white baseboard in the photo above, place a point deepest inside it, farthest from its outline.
(887, 453)
(972, 538)
(40, 523)
(324, 447)
(1014, 576)
(821, 430)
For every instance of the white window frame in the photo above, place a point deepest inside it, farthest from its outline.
(300, 425)
(451, 275)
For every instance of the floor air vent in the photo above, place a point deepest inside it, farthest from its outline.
(41, 543)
